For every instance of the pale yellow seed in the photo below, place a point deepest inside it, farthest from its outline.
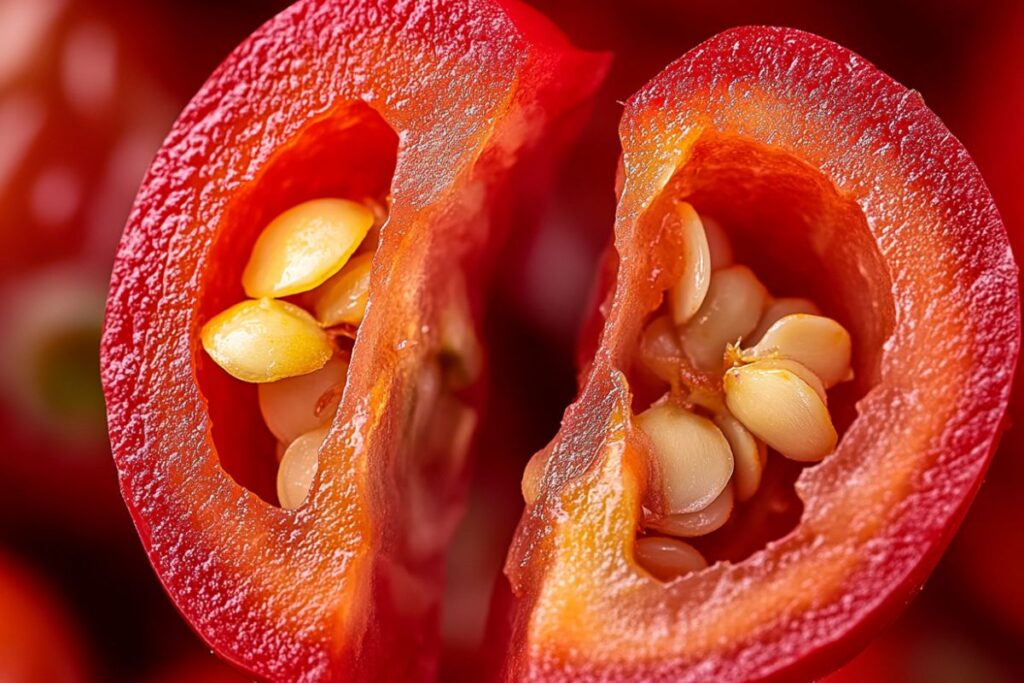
(749, 455)
(798, 369)
(304, 246)
(342, 299)
(731, 310)
(532, 474)
(819, 343)
(265, 340)
(294, 406)
(781, 409)
(688, 293)
(692, 456)
(776, 310)
(659, 349)
(718, 243)
(700, 523)
(667, 558)
(298, 467)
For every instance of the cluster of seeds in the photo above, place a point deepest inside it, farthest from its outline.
(316, 255)
(744, 372)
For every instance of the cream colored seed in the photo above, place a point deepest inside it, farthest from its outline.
(699, 523)
(298, 467)
(531, 476)
(342, 299)
(659, 349)
(731, 310)
(778, 309)
(688, 293)
(718, 244)
(821, 344)
(291, 407)
(265, 340)
(798, 369)
(749, 454)
(781, 409)
(667, 558)
(692, 455)
(304, 246)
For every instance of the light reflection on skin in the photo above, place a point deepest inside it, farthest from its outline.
(21, 119)
(89, 65)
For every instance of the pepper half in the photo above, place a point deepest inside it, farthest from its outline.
(833, 183)
(438, 112)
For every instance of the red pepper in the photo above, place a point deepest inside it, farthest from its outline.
(38, 640)
(443, 106)
(837, 183)
(995, 133)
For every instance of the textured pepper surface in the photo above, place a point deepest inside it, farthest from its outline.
(858, 195)
(433, 103)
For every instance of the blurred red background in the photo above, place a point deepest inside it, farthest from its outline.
(88, 88)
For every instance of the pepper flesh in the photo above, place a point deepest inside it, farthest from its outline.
(347, 586)
(818, 162)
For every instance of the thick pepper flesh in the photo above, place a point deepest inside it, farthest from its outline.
(436, 109)
(837, 184)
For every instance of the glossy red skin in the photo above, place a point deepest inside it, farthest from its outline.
(38, 641)
(921, 262)
(332, 591)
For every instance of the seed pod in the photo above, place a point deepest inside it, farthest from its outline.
(667, 558)
(780, 408)
(688, 293)
(291, 407)
(699, 523)
(776, 310)
(265, 340)
(692, 455)
(298, 467)
(531, 475)
(816, 342)
(304, 246)
(660, 351)
(730, 311)
(749, 456)
(718, 243)
(342, 299)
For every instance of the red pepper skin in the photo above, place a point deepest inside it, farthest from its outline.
(38, 640)
(820, 163)
(346, 587)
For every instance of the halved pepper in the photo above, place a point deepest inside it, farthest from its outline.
(835, 184)
(433, 114)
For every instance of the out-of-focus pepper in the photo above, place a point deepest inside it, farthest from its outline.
(38, 641)
(834, 183)
(431, 113)
(993, 99)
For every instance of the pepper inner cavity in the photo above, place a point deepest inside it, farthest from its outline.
(743, 378)
(307, 283)
(737, 383)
